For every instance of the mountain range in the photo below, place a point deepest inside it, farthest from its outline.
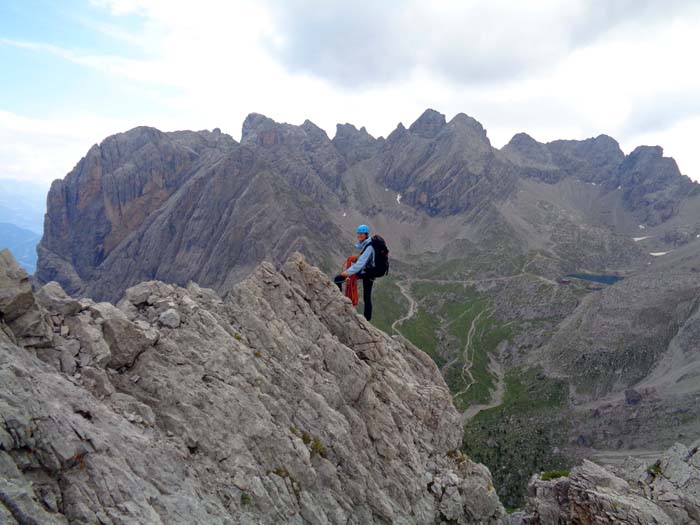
(495, 253)
(22, 243)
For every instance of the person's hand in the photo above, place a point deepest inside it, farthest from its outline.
(345, 274)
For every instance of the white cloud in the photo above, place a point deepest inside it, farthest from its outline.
(42, 150)
(553, 69)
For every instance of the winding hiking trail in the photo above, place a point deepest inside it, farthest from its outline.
(495, 366)
(412, 306)
(469, 362)
(497, 394)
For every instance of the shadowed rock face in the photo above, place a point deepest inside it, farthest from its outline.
(178, 207)
(653, 184)
(653, 187)
(355, 145)
(428, 124)
(445, 168)
(276, 404)
(112, 191)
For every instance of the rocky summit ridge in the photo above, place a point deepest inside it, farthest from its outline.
(277, 404)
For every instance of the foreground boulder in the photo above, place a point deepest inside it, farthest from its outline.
(277, 404)
(19, 311)
(666, 493)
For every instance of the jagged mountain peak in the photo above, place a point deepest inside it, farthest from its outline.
(350, 130)
(315, 131)
(603, 138)
(602, 144)
(126, 144)
(148, 132)
(354, 144)
(655, 165)
(465, 121)
(253, 121)
(397, 134)
(130, 140)
(432, 123)
(646, 169)
(429, 124)
(522, 139)
(264, 131)
(524, 150)
(650, 152)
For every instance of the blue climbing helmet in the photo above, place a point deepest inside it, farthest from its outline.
(363, 228)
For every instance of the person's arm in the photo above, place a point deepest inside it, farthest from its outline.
(360, 263)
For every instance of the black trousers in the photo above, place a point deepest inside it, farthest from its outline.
(367, 283)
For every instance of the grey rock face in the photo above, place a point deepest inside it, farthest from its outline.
(19, 310)
(276, 405)
(535, 159)
(591, 160)
(355, 145)
(170, 318)
(445, 168)
(652, 185)
(113, 189)
(303, 155)
(590, 495)
(666, 492)
(56, 299)
(428, 124)
(146, 204)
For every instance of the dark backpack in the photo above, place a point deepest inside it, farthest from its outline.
(381, 258)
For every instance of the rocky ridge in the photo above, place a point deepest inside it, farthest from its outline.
(667, 492)
(220, 207)
(652, 185)
(277, 404)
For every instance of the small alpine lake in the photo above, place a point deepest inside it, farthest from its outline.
(604, 279)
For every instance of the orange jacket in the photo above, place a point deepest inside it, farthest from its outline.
(351, 282)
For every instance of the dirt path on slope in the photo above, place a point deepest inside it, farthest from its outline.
(412, 305)
(620, 457)
(468, 362)
(496, 368)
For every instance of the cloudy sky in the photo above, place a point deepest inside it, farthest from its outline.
(76, 71)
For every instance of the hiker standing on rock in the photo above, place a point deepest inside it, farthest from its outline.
(368, 265)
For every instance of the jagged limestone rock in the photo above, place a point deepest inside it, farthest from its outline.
(53, 297)
(18, 307)
(665, 492)
(169, 318)
(276, 405)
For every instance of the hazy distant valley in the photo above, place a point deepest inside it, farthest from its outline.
(22, 209)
